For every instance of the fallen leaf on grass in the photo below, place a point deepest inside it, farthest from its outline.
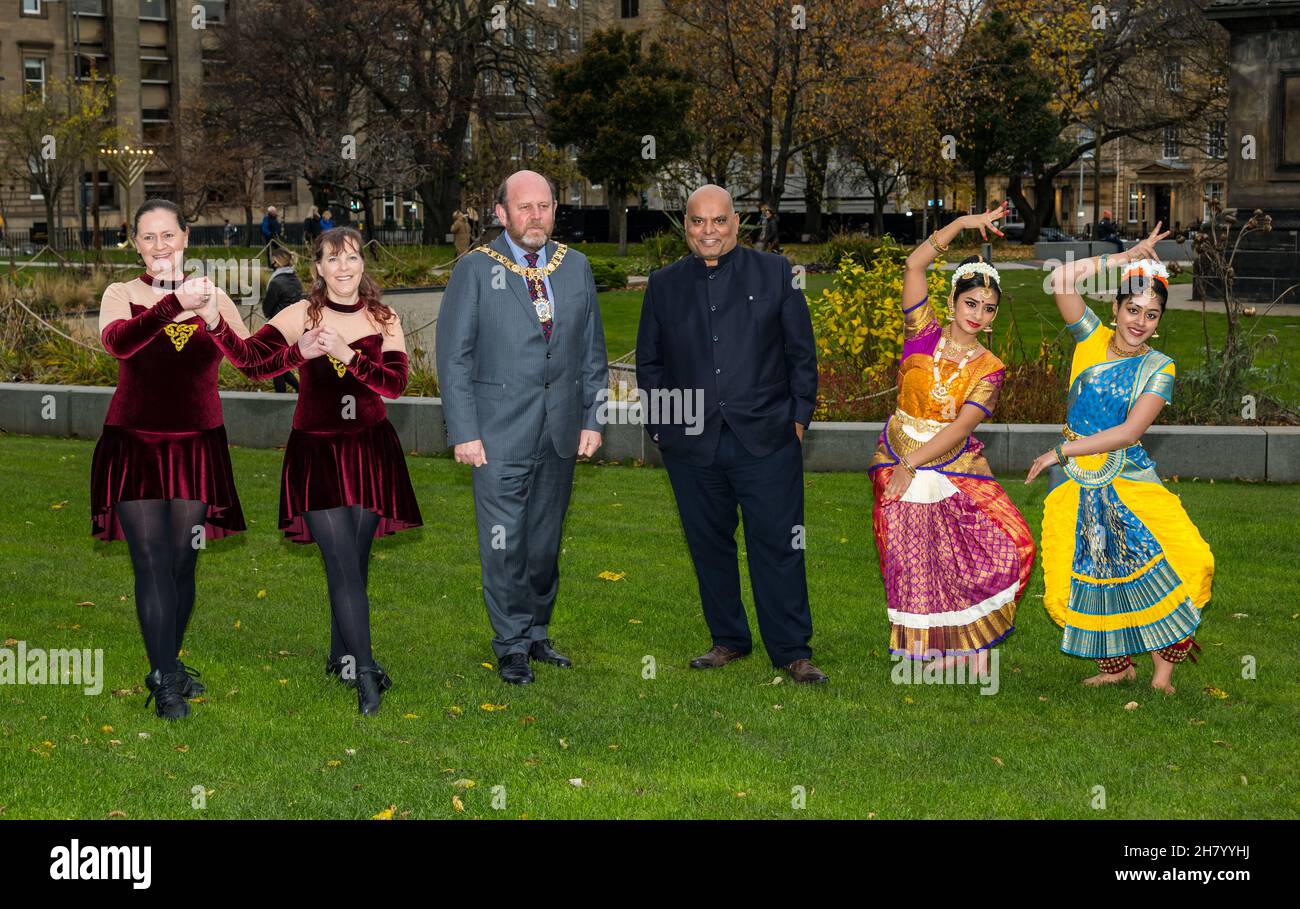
(386, 814)
(1131, 705)
(463, 784)
(997, 760)
(457, 803)
(182, 748)
(612, 575)
(116, 813)
(576, 783)
(1215, 692)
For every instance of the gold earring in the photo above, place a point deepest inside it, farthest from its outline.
(1155, 334)
(988, 329)
(1113, 323)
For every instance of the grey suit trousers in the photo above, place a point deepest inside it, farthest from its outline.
(519, 507)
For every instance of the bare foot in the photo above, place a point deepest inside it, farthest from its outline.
(1162, 674)
(1110, 678)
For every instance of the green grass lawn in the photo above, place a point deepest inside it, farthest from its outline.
(275, 739)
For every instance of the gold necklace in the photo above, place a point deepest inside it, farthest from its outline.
(947, 335)
(1120, 354)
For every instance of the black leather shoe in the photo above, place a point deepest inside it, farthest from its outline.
(543, 652)
(191, 688)
(515, 669)
(369, 689)
(165, 693)
(335, 668)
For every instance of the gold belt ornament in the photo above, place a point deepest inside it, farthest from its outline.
(533, 276)
(179, 333)
(904, 444)
(339, 366)
(1091, 478)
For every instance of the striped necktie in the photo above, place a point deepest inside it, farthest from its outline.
(537, 290)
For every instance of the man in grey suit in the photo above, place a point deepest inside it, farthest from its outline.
(521, 364)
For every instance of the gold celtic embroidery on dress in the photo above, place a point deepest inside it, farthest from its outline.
(339, 366)
(179, 333)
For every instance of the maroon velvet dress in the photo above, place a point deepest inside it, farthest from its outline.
(340, 451)
(163, 437)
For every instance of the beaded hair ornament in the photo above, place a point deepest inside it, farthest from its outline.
(988, 272)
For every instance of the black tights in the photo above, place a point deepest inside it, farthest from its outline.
(344, 535)
(160, 534)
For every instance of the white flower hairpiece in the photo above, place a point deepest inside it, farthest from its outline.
(975, 268)
(1145, 268)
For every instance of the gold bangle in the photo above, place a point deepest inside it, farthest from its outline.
(935, 243)
(902, 459)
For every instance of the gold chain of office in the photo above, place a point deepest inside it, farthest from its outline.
(533, 276)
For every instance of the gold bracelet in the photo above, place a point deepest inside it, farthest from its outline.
(902, 459)
(935, 243)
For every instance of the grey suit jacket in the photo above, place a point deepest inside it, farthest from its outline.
(498, 375)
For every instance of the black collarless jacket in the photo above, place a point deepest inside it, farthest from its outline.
(739, 332)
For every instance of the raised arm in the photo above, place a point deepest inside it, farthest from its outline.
(123, 334)
(1065, 277)
(914, 286)
(273, 349)
(389, 374)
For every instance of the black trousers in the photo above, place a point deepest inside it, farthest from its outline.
(769, 493)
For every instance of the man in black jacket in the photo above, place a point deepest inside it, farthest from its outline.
(726, 329)
(284, 289)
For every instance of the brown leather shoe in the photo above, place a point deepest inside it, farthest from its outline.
(803, 670)
(718, 655)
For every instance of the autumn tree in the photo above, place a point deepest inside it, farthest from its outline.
(51, 136)
(624, 110)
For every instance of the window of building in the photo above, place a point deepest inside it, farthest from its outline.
(1173, 75)
(107, 189)
(1170, 144)
(153, 9)
(629, 9)
(34, 189)
(1134, 205)
(34, 76)
(573, 4)
(31, 8)
(87, 7)
(155, 69)
(1216, 140)
(159, 186)
(214, 10)
(277, 188)
(552, 40)
(390, 206)
(1213, 193)
(573, 38)
(530, 36)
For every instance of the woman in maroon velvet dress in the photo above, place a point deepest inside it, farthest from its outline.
(344, 480)
(161, 477)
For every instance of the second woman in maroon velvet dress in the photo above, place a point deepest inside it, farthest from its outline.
(344, 480)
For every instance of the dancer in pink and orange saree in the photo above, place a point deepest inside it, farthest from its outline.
(954, 552)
